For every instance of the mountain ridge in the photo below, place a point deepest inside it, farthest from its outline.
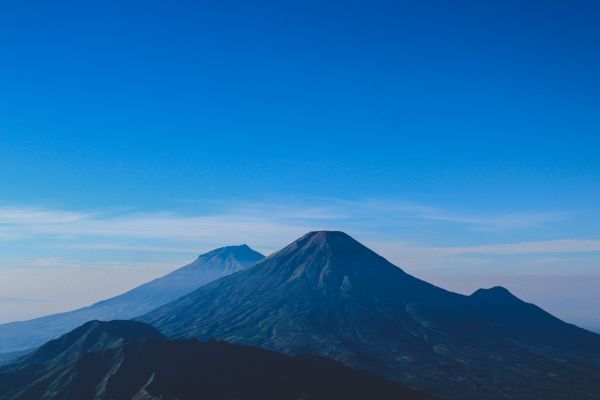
(138, 363)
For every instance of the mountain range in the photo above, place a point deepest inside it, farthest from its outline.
(16, 337)
(326, 294)
(323, 297)
(122, 360)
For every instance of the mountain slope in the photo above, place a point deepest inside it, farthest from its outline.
(327, 294)
(206, 268)
(89, 337)
(125, 360)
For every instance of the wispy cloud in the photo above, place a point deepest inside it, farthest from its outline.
(11, 300)
(420, 255)
(499, 223)
(270, 225)
(285, 215)
(49, 262)
(129, 248)
(539, 247)
(215, 229)
(482, 222)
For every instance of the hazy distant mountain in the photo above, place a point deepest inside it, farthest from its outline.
(206, 268)
(327, 294)
(123, 360)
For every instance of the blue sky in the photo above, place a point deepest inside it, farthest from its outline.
(459, 139)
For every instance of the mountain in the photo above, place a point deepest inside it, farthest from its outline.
(327, 294)
(89, 337)
(125, 360)
(207, 267)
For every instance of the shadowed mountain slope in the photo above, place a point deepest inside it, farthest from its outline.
(206, 268)
(326, 294)
(124, 360)
(89, 337)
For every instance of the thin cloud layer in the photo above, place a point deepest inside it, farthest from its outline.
(50, 253)
(266, 223)
(387, 226)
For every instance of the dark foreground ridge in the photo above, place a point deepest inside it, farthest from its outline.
(125, 360)
(327, 294)
(18, 336)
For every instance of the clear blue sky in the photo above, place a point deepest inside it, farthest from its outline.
(410, 124)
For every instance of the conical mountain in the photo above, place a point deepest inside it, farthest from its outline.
(206, 268)
(124, 360)
(327, 294)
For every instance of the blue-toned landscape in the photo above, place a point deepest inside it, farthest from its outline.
(307, 200)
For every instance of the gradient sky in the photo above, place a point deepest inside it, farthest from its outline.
(460, 139)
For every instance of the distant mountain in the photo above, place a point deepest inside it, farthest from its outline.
(123, 360)
(215, 264)
(326, 294)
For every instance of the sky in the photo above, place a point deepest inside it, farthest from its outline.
(459, 139)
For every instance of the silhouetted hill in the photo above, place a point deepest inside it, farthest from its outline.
(206, 268)
(89, 337)
(124, 360)
(326, 294)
